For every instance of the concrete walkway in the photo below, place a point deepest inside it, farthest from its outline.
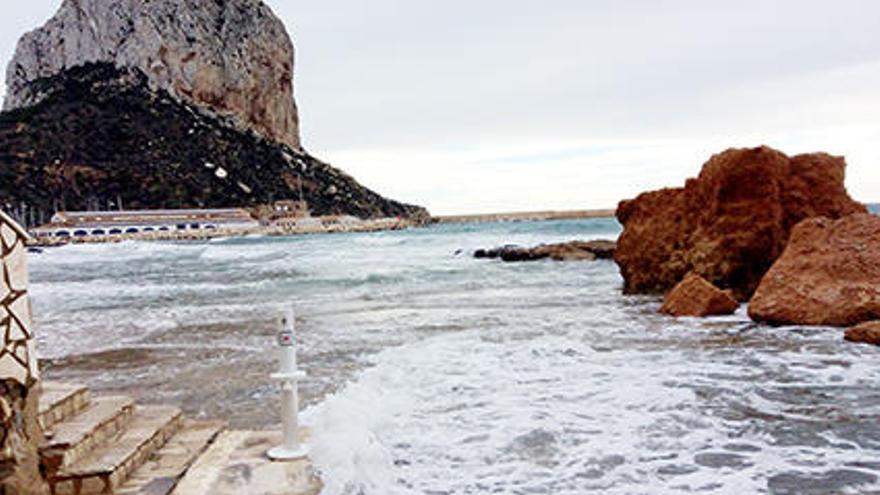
(236, 464)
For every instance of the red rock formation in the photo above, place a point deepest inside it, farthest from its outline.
(865, 333)
(828, 275)
(729, 224)
(695, 296)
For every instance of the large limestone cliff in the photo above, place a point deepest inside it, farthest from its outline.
(233, 57)
(163, 104)
(101, 135)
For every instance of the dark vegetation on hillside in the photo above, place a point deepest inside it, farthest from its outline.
(102, 135)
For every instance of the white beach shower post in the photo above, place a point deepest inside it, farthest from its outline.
(288, 375)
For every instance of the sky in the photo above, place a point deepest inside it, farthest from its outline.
(511, 105)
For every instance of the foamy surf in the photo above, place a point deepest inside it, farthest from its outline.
(480, 412)
(436, 373)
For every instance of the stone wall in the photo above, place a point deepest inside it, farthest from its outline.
(20, 433)
(17, 360)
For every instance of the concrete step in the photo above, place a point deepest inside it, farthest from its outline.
(237, 464)
(161, 473)
(71, 440)
(60, 401)
(109, 466)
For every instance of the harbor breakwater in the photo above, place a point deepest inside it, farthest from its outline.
(526, 216)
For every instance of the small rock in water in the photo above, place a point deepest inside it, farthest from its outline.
(866, 333)
(568, 251)
(696, 296)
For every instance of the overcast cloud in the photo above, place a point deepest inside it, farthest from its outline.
(487, 105)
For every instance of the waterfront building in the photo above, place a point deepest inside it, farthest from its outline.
(287, 214)
(108, 223)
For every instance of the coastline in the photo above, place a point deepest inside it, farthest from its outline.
(404, 365)
(524, 216)
(324, 226)
(377, 225)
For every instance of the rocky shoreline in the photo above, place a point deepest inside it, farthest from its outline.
(567, 251)
(780, 233)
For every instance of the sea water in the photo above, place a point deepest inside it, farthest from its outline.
(431, 372)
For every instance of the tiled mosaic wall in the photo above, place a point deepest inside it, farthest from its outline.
(20, 435)
(17, 359)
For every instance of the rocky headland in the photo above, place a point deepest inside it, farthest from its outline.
(729, 224)
(233, 57)
(163, 104)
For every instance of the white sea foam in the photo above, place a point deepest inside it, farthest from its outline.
(435, 373)
(345, 444)
(478, 413)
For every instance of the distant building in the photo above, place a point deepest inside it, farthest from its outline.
(289, 207)
(287, 214)
(101, 223)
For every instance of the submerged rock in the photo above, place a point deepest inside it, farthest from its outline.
(603, 249)
(729, 224)
(695, 296)
(828, 275)
(864, 333)
(232, 57)
(568, 251)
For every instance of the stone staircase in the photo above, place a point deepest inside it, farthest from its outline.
(110, 445)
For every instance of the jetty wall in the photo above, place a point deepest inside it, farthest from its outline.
(524, 216)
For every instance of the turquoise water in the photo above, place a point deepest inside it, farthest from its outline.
(433, 372)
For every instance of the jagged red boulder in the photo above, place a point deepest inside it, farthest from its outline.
(695, 296)
(729, 224)
(828, 275)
